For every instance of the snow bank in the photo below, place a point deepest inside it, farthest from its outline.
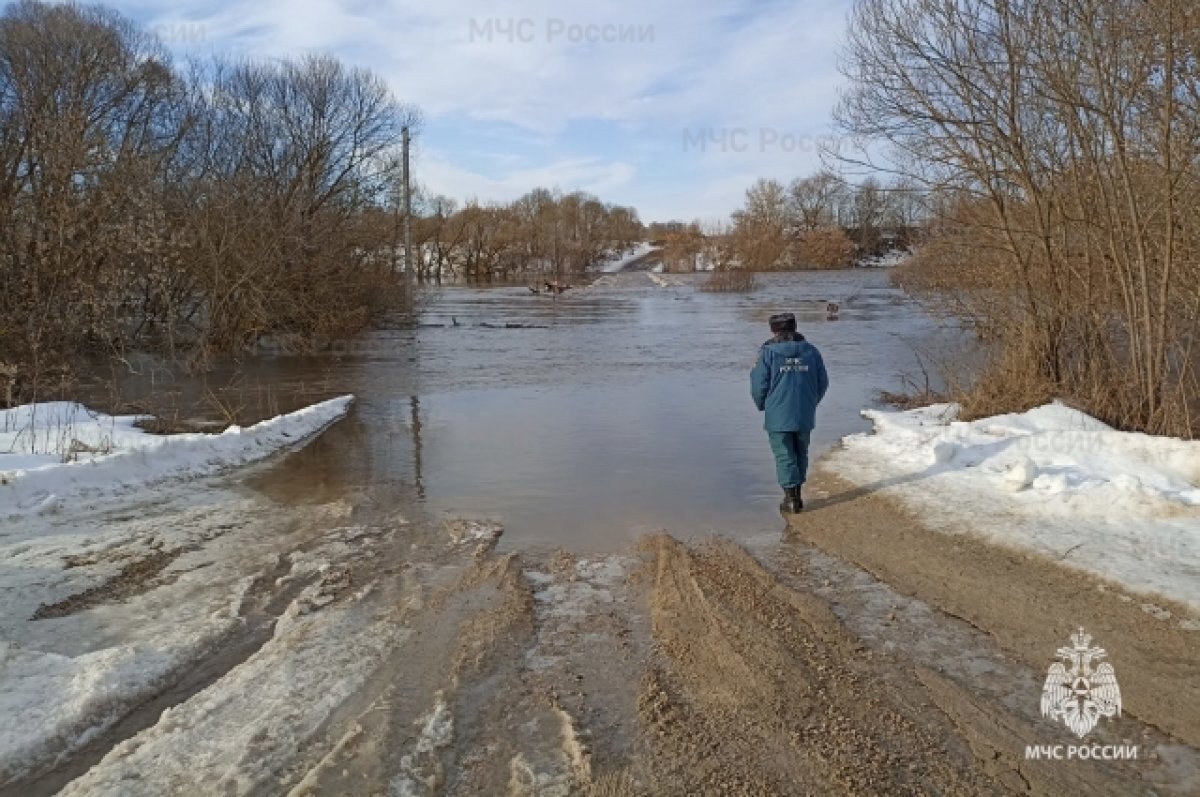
(109, 455)
(1053, 480)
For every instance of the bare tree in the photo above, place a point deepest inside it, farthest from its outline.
(869, 205)
(683, 248)
(543, 233)
(1066, 129)
(813, 200)
(193, 210)
(760, 227)
(81, 95)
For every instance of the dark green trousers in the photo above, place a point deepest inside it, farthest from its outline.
(791, 456)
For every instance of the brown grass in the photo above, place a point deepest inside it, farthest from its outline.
(731, 281)
(1075, 351)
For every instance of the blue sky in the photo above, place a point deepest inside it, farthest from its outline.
(673, 107)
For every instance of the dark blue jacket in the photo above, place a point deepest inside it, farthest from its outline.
(788, 382)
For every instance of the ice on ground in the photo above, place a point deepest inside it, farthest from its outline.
(585, 585)
(64, 697)
(237, 745)
(54, 452)
(576, 599)
(56, 703)
(137, 590)
(334, 582)
(421, 769)
(65, 679)
(1121, 505)
(465, 532)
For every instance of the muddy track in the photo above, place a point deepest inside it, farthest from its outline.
(761, 691)
(800, 665)
(696, 669)
(134, 579)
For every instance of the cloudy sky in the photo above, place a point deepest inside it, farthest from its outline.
(671, 106)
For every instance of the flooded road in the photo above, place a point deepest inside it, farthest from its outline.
(614, 411)
(394, 643)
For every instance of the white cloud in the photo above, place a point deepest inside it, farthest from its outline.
(718, 65)
(443, 175)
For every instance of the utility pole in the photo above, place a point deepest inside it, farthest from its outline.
(409, 274)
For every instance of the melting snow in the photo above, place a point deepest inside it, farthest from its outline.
(1054, 480)
(421, 770)
(66, 678)
(54, 452)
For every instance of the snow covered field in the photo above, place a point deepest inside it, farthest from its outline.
(122, 567)
(1052, 480)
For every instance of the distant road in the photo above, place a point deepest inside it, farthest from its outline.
(644, 263)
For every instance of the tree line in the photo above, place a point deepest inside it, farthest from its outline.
(823, 221)
(818, 221)
(190, 207)
(1063, 134)
(543, 233)
(194, 208)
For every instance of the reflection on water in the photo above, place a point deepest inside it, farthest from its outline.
(628, 412)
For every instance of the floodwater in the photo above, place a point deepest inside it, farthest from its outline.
(618, 410)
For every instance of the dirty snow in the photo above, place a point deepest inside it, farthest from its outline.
(64, 679)
(421, 769)
(567, 600)
(139, 588)
(239, 746)
(1053, 480)
(466, 532)
(59, 452)
(578, 593)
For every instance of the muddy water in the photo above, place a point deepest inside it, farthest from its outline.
(614, 411)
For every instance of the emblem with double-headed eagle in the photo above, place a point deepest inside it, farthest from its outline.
(1080, 689)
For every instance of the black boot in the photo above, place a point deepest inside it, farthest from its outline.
(791, 503)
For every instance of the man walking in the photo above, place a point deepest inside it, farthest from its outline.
(787, 383)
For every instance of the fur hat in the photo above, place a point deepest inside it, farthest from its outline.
(783, 322)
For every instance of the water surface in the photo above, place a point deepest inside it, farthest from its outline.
(628, 411)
